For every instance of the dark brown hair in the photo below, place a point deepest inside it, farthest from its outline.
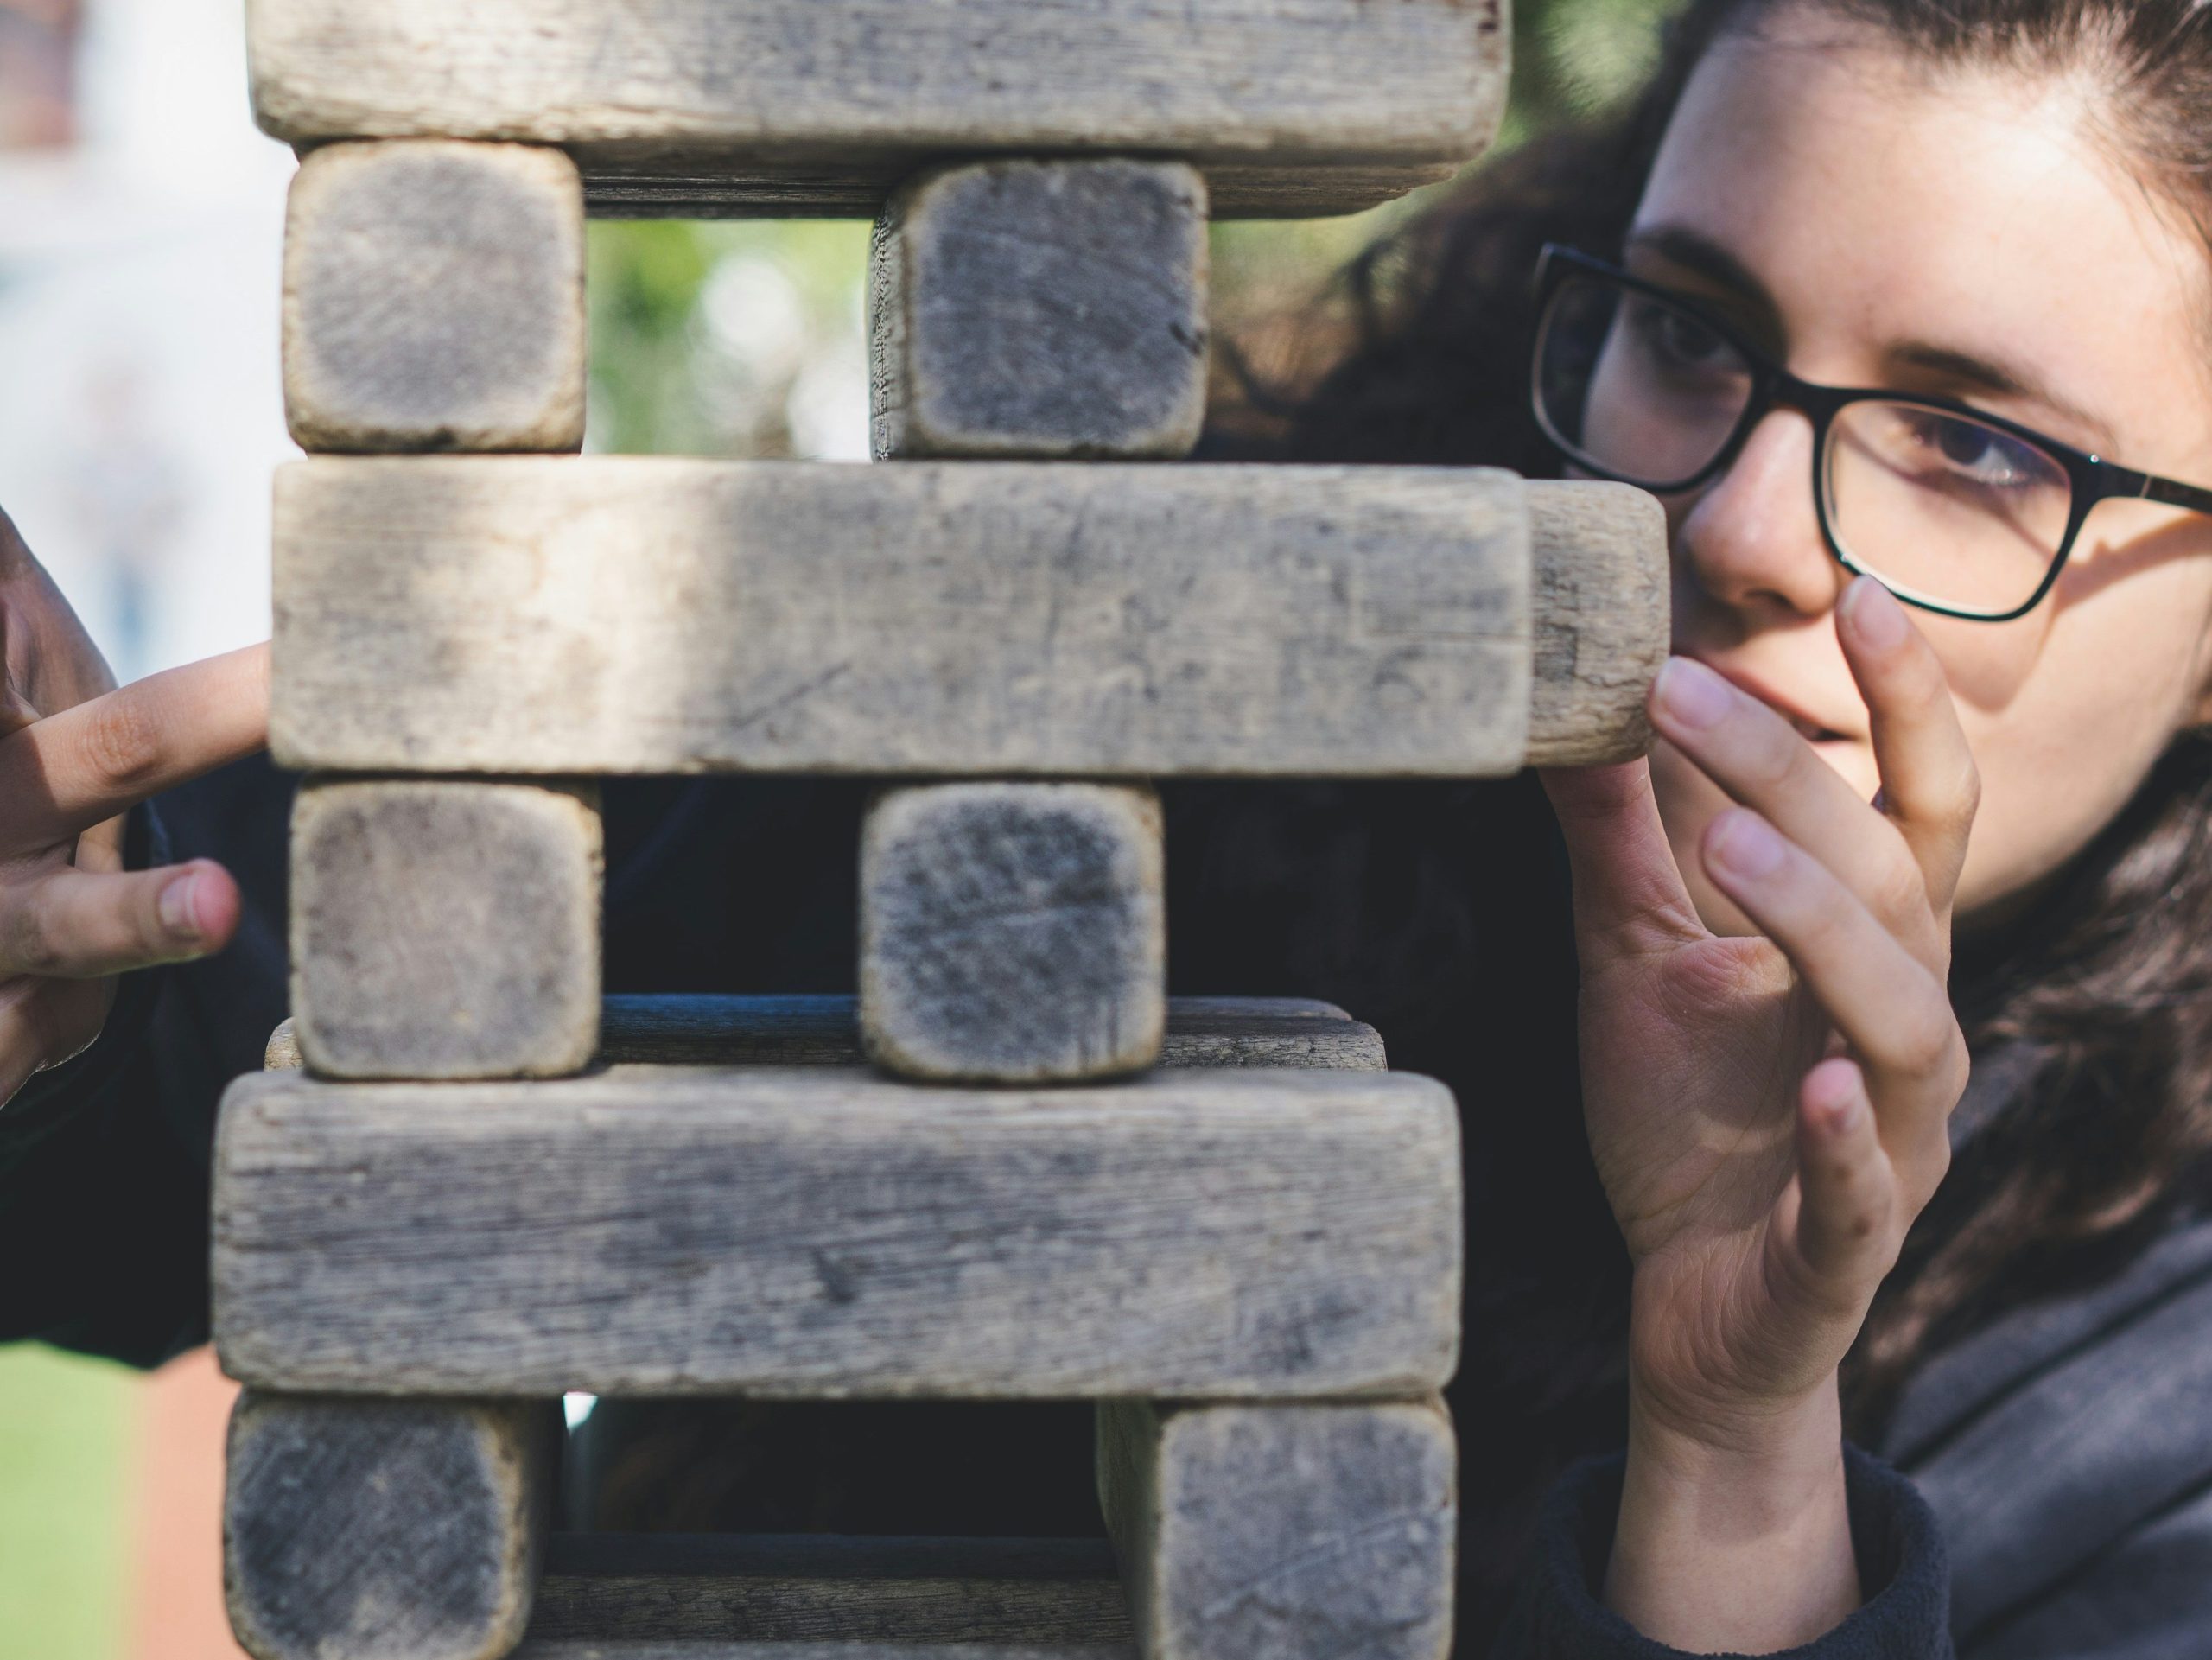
(2101, 999)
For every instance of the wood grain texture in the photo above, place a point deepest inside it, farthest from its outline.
(1013, 933)
(1303, 1532)
(641, 615)
(386, 1529)
(799, 105)
(736, 1591)
(1040, 310)
(282, 1054)
(434, 299)
(445, 929)
(1604, 618)
(810, 1232)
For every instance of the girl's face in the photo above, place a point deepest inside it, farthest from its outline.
(1876, 223)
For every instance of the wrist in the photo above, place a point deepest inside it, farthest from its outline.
(1734, 1532)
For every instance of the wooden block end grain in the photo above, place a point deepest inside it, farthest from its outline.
(1301, 1532)
(1602, 617)
(386, 1529)
(445, 929)
(1013, 933)
(1042, 309)
(434, 299)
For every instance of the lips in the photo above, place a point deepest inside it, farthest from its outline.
(1807, 728)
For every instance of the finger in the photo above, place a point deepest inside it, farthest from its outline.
(46, 1022)
(22, 1043)
(1846, 1231)
(1762, 762)
(16, 710)
(1895, 1013)
(92, 762)
(1929, 785)
(74, 924)
(1629, 893)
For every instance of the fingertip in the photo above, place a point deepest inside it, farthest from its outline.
(1834, 1096)
(1874, 616)
(199, 905)
(1739, 846)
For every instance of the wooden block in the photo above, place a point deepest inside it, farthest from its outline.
(282, 1054)
(644, 614)
(1604, 619)
(816, 1232)
(386, 1529)
(1013, 933)
(746, 1593)
(442, 929)
(1300, 1532)
(693, 1029)
(434, 299)
(1040, 310)
(796, 106)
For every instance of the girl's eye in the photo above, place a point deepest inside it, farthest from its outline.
(1977, 453)
(1677, 339)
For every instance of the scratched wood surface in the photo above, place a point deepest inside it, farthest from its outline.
(517, 615)
(820, 1232)
(1299, 1532)
(784, 106)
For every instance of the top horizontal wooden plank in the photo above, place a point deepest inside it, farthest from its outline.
(691, 107)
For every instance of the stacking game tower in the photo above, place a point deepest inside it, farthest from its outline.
(1014, 1169)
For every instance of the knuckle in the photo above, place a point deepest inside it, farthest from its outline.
(122, 742)
(1925, 1043)
(31, 942)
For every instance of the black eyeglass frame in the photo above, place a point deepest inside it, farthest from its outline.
(2093, 478)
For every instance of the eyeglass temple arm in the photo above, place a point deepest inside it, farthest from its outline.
(2173, 493)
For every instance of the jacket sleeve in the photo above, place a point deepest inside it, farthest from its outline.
(1558, 1614)
(105, 1160)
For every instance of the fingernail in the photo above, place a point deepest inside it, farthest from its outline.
(1747, 845)
(1874, 613)
(1692, 693)
(176, 906)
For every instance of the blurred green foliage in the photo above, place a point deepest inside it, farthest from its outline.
(66, 1442)
(744, 338)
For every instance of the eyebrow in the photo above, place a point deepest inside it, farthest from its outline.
(1695, 252)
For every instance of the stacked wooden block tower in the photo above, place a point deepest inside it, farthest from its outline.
(1015, 1170)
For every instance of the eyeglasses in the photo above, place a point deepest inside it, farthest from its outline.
(1951, 509)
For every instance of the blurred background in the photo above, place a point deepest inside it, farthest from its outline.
(140, 417)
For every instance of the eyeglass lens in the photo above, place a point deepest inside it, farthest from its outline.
(1939, 506)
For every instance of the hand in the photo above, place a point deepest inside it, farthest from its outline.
(1767, 1113)
(75, 755)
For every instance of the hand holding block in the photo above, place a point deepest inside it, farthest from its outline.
(386, 1529)
(445, 929)
(696, 107)
(1301, 1532)
(434, 299)
(1040, 310)
(820, 1232)
(1013, 933)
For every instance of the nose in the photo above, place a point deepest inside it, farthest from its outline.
(1750, 540)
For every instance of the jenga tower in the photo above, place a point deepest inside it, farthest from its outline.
(1014, 1169)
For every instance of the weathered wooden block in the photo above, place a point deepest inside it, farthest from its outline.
(434, 299)
(386, 1529)
(1040, 310)
(794, 106)
(821, 1232)
(643, 615)
(282, 1054)
(442, 929)
(1604, 620)
(1303, 1532)
(757, 1597)
(692, 1029)
(1013, 933)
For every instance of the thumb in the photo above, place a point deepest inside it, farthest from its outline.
(1628, 893)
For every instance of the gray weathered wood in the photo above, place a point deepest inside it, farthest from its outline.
(386, 1529)
(1040, 310)
(1303, 1532)
(445, 929)
(743, 1591)
(561, 1648)
(643, 615)
(1318, 106)
(813, 1232)
(434, 299)
(1604, 615)
(1013, 933)
(714, 1030)
(282, 1054)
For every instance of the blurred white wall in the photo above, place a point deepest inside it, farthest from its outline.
(141, 414)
